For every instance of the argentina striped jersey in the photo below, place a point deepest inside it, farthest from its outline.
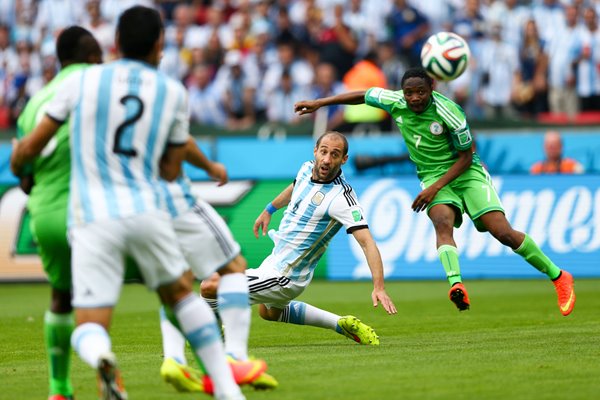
(314, 215)
(122, 116)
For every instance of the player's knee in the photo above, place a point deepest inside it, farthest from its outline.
(268, 314)
(237, 265)
(208, 287)
(506, 236)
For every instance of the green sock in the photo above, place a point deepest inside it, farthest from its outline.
(536, 257)
(57, 332)
(449, 258)
(173, 319)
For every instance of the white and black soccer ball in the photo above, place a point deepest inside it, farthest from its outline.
(445, 56)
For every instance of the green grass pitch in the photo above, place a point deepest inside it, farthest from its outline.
(512, 344)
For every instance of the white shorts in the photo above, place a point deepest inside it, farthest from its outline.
(99, 250)
(267, 286)
(205, 240)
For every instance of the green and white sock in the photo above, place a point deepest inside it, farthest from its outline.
(449, 257)
(57, 334)
(530, 251)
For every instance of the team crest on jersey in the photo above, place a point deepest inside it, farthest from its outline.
(435, 128)
(317, 199)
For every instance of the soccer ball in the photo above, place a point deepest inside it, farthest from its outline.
(445, 56)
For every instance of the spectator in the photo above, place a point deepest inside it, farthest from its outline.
(512, 17)
(326, 84)
(280, 104)
(301, 72)
(555, 163)
(239, 92)
(586, 60)
(101, 29)
(206, 107)
(562, 94)
(498, 65)
(408, 29)
(530, 91)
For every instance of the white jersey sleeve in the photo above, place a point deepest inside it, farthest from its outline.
(181, 125)
(346, 210)
(65, 99)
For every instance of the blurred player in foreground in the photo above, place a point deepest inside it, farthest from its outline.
(48, 187)
(129, 128)
(452, 177)
(319, 203)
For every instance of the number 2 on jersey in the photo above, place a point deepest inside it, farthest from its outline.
(130, 120)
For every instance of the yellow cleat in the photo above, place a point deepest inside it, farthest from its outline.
(182, 377)
(264, 381)
(352, 328)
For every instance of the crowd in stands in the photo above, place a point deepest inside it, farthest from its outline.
(247, 61)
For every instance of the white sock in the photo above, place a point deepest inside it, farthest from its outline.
(172, 340)
(300, 313)
(234, 309)
(90, 341)
(198, 323)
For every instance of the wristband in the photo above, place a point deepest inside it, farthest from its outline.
(270, 208)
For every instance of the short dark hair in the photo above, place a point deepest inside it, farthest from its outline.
(139, 28)
(416, 72)
(336, 134)
(75, 45)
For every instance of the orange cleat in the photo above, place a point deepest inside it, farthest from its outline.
(458, 295)
(244, 372)
(565, 292)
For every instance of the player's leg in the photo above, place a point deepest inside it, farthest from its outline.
(209, 246)
(162, 265)
(97, 279)
(49, 230)
(522, 244)
(444, 217)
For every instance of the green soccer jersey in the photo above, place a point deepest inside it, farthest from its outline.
(432, 137)
(52, 169)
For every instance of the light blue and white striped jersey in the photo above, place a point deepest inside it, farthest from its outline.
(178, 195)
(123, 115)
(314, 215)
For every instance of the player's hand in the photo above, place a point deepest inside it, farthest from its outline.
(380, 296)
(218, 172)
(424, 198)
(306, 107)
(262, 223)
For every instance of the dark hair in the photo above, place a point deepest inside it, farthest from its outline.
(139, 28)
(75, 45)
(336, 134)
(416, 72)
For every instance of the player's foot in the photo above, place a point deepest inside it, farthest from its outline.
(244, 372)
(352, 328)
(110, 384)
(60, 397)
(183, 377)
(264, 381)
(565, 292)
(458, 295)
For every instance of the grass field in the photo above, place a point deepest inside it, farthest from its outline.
(512, 344)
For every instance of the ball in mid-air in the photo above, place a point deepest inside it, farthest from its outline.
(445, 56)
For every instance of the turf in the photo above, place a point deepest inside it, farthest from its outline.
(512, 344)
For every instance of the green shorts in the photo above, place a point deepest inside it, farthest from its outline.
(49, 230)
(472, 192)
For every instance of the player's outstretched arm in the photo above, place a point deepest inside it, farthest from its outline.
(310, 106)
(32, 145)
(195, 156)
(263, 220)
(369, 247)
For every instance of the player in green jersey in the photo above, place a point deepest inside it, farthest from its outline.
(47, 183)
(453, 179)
